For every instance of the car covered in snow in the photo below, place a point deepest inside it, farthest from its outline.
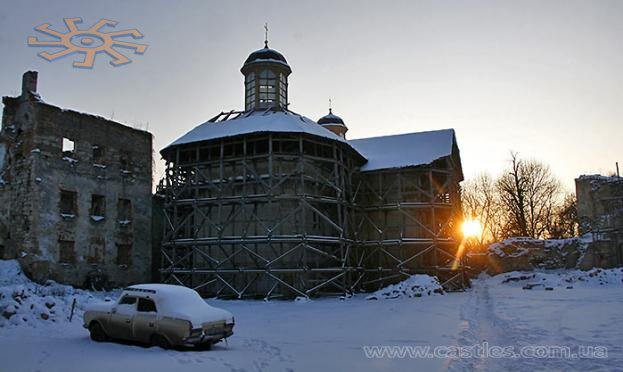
(161, 314)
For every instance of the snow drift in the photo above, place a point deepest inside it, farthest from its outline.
(562, 279)
(23, 302)
(415, 286)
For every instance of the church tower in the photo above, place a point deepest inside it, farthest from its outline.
(266, 74)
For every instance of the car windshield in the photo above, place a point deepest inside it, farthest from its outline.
(127, 300)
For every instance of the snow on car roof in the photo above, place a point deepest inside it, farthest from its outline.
(182, 302)
(404, 150)
(256, 122)
(162, 288)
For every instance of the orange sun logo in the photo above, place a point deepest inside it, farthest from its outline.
(88, 42)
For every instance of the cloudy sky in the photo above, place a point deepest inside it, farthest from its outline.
(543, 78)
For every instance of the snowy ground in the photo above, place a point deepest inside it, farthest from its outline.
(269, 336)
(574, 313)
(329, 334)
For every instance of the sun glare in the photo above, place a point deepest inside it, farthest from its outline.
(471, 228)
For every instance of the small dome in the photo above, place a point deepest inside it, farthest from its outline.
(330, 119)
(266, 55)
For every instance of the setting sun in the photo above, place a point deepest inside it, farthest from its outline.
(471, 228)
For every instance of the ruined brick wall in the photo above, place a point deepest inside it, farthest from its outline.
(600, 202)
(75, 212)
(600, 210)
(16, 203)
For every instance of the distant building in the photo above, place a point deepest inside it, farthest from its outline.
(265, 202)
(75, 193)
(600, 211)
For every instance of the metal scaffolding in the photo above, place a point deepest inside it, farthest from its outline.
(406, 224)
(259, 216)
(289, 214)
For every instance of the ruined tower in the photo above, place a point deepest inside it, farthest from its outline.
(75, 192)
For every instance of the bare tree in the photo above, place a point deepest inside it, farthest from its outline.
(480, 200)
(529, 193)
(565, 222)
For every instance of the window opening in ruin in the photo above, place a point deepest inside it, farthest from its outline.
(68, 205)
(96, 250)
(66, 252)
(69, 148)
(124, 211)
(98, 154)
(98, 207)
(125, 163)
(124, 252)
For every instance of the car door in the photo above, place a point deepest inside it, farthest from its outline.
(120, 325)
(144, 321)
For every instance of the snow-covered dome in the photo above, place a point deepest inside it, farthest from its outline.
(334, 123)
(265, 55)
(256, 122)
(330, 118)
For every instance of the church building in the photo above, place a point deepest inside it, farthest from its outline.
(265, 202)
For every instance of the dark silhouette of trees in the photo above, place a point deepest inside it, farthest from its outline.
(565, 222)
(529, 192)
(525, 200)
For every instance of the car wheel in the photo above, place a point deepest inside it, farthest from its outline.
(160, 341)
(97, 332)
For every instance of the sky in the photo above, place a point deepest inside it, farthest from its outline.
(541, 78)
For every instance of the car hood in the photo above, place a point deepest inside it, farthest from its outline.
(100, 306)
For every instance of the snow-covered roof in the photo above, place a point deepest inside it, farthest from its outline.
(256, 122)
(266, 54)
(404, 150)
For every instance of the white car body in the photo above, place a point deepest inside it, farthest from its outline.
(162, 314)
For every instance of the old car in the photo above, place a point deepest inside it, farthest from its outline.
(160, 314)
